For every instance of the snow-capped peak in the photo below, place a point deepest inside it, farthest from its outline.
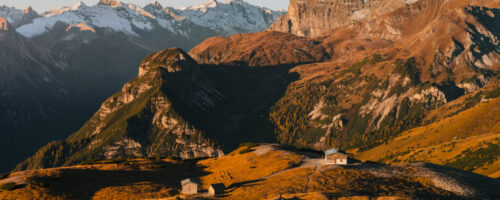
(78, 5)
(202, 7)
(157, 4)
(210, 4)
(57, 11)
(112, 3)
(214, 13)
(29, 9)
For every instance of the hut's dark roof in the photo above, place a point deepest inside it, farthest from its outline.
(218, 186)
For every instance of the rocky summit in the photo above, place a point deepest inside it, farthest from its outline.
(313, 17)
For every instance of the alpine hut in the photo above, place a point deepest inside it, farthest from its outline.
(189, 186)
(336, 157)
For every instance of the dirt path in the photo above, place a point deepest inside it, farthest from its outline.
(306, 162)
(312, 162)
(19, 179)
(262, 149)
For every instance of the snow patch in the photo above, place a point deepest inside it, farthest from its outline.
(409, 2)
(41, 25)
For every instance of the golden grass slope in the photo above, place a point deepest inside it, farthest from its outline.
(236, 168)
(146, 179)
(446, 140)
(334, 182)
(264, 173)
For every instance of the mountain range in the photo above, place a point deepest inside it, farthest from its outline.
(353, 87)
(59, 66)
(409, 89)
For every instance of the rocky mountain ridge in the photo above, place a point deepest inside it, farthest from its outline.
(140, 120)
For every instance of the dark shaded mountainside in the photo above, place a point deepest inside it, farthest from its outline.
(354, 87)
(175, 108)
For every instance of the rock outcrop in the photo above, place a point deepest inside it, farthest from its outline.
(313, 17)
(3, 24)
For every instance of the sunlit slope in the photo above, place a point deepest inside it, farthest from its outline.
(469, 140)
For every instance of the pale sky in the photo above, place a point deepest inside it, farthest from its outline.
(45, 5)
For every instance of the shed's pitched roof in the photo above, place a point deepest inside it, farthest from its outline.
(218, 186)
(189, 180)
(334, 151)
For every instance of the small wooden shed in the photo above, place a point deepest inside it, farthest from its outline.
(189, 186)
(336, 157)
(216, 189)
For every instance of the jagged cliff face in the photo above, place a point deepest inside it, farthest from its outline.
(140, 120)
(313, 17)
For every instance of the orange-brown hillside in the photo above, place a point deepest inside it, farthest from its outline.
(468, 140)
(433, 32)
(264, 172)
(260, 49)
